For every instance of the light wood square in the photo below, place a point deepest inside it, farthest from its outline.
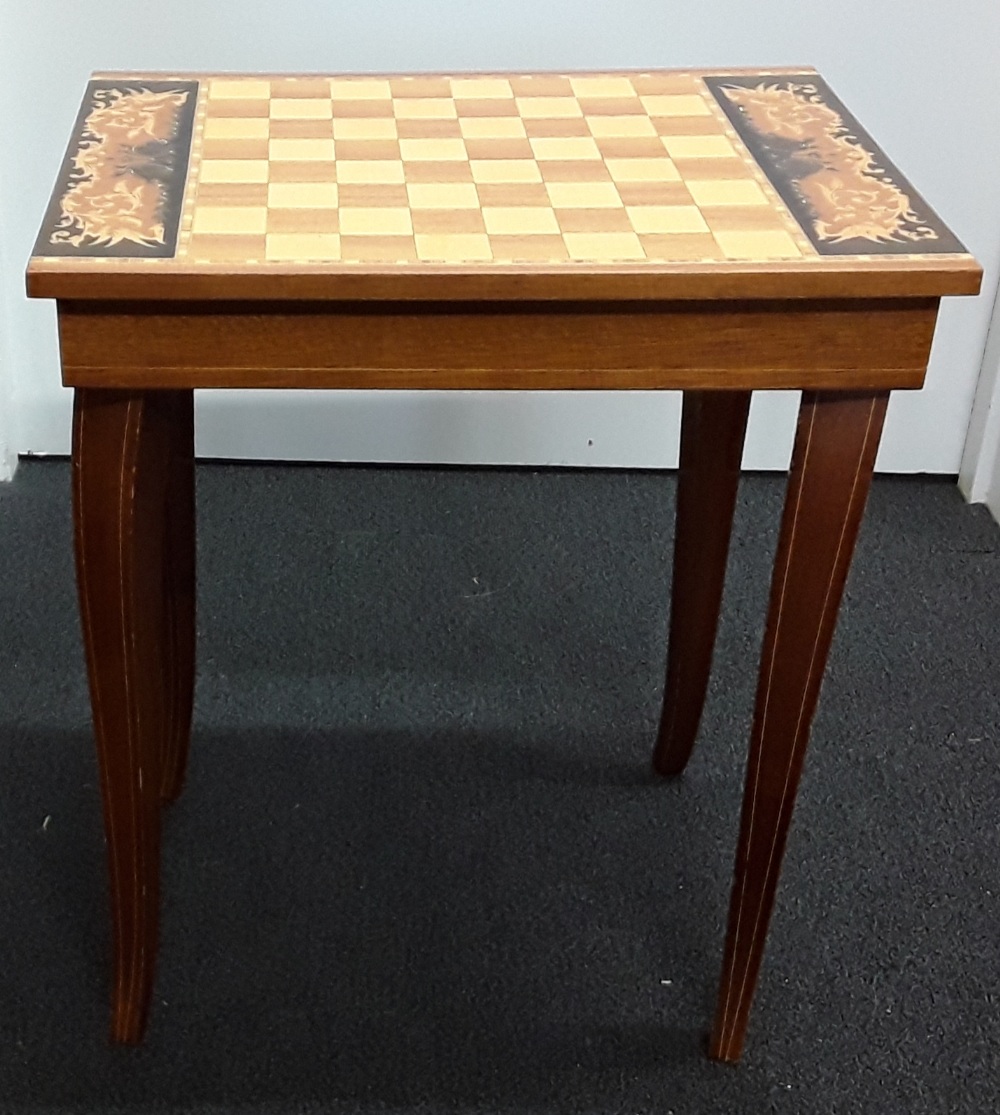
(375, 222)
(621, 126)
(583, 195)
(364, 127)
(603, 247)
(315, 247)
(239, 89)
(442, 195)
(722, 192)
(570, 147)
(698, 147)
(315, 170)
(757, 245)
(492, 127)
(441, 150)
(378, 249)
(300, 108)
(574, 170)
(233, 170)
(602, 86)
(302, 195)
(505, 170)
(375, 172)
(675, 105)
(567, 126)
(481, 87)
(424, 108)
(300, 129)
(666, 218)
(454, 247)
(552, 108)
(642, 170)
(359, 89)
(237, 127)
(529, 249)
(301, 150)
(517, 221)
(680, 248)
(235, 220)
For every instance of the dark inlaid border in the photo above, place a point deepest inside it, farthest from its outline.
(847, 196)
(121, 185)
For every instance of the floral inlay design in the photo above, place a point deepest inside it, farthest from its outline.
(124, 173)
(846, 194)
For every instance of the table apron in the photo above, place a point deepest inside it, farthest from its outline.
(839, 344)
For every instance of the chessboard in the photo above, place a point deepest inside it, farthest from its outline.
(452, 170)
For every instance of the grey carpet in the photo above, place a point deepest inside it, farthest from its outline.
(420, 864)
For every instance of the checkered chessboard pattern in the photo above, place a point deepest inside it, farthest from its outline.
(538, 169)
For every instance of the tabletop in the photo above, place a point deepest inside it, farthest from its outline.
(684, 183)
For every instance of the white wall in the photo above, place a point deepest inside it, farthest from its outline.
(8, 456)
(979, 477)
(992, 497)
(921, 76)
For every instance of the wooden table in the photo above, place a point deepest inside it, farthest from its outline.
(717, 233)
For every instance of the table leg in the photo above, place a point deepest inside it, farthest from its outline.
(121, 475)
(179, 594)
(713, 428)
(835, 447)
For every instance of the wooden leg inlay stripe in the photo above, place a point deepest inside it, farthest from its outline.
(120, 462)
(837, 435)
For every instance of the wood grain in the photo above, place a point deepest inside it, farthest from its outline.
(713, 428)
(851, 343)
(823, 279)
(835, 448)
(179, 591)
(121, 451)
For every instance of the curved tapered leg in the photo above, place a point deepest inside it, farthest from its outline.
(713, 428)
(179, 594)
(121, 453)
(835, 447)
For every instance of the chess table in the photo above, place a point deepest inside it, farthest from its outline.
(714, 232)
